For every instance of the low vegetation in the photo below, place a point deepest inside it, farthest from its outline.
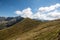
(29, 29)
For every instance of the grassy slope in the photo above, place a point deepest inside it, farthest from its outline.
(31, 30)
(19, 28)
(48, 31)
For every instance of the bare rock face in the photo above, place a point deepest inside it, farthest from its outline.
(9, 21)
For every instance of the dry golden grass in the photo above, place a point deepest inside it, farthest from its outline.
(19, 28)
(29, 29)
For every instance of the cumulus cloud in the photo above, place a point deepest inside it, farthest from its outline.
(18, 12)
(43, 13)
(25, 13)
(50, 8)
(50, 16)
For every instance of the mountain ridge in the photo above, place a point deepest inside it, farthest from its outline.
(16, 27)
(29, 29)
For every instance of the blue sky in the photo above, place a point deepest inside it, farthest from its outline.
(8, 7)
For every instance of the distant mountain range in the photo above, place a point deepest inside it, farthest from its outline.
(9, 21)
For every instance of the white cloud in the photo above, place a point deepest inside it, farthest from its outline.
(25, 13)
(47, 16)
(55, 14)
(43, 13)
(50, 8)
(18, 12)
